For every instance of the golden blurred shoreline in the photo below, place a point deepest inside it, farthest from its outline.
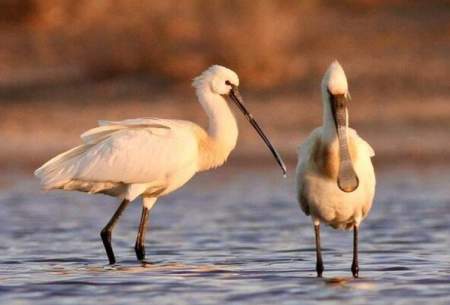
(405, 129)
(66, 64)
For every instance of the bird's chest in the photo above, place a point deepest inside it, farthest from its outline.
(175, 180)
(326, 159)
(329, 203)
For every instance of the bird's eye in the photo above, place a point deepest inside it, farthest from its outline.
(227, 82)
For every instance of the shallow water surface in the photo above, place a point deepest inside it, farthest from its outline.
(230, 236)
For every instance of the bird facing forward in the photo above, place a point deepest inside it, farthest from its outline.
(335, 178)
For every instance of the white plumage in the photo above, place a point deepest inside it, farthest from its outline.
(332, 152)
(319, 194)
(150, 156)
(127, 158)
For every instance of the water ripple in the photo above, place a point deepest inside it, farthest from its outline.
(222, 245)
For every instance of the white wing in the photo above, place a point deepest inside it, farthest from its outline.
(130, 152)
(361, 142)
(304, 150)
(304, 153)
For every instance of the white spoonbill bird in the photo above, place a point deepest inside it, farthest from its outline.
(152, 157)
(335, 178)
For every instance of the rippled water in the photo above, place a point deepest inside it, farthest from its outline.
(229, 236)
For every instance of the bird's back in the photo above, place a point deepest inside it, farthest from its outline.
(116, 155)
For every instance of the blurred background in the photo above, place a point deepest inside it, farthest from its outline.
(66, 63)
(233, 235)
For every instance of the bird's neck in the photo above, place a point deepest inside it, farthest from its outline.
(222, 129)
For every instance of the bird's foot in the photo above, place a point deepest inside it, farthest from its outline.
(355, 270)
(319, 269)
(140, 252)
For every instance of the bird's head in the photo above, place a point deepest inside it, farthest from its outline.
(335, 93)
(225, 82)
(334, 81)
(219, 79)
(336, 97)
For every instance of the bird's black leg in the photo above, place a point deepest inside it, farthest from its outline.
(107, 230)
(319, 263)
(355, 266)
(139, 246)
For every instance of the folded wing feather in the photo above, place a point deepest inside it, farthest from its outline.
(127, 152)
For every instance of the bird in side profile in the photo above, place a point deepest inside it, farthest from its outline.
(152, 157)
(335, 178)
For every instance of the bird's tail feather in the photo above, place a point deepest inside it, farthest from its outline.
(60, 169)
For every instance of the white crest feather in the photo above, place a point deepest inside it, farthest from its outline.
(335, 80)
